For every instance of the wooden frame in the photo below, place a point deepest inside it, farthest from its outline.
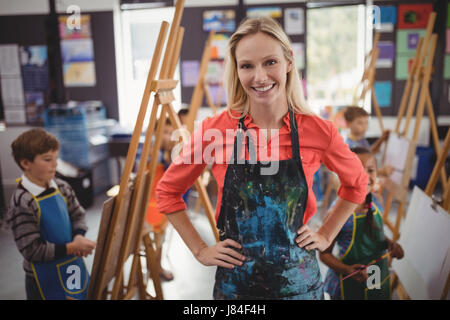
(419, 78)
(368, 80)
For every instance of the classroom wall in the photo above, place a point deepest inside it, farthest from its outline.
(30, 29)
(439, 86)
(25, 24)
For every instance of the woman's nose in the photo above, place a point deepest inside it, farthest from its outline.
(260, 74)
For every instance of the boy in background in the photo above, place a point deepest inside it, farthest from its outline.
(48, 222)
(357, 120)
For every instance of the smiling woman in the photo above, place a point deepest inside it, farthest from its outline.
(266, 250)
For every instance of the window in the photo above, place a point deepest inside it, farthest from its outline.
(335, 54)
(137, 33)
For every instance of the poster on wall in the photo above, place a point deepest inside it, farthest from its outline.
(11, 85)
(219, 46)
(219, 20)
(9, 60)
(34, 64)
(407, 40)
(298, 50)
(447, 41)
(34, 107)
(403, 65)
(272, 12)
(388, 18)
(294, 21)
(218, 95)
(447, 67)
(190, 70)
(77, 50)
(386, 54)
(383, 92)
(215, 72)
(414, 16)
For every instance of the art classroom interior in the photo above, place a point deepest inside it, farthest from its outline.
(119, 90)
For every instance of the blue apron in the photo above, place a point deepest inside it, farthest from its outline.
(263, 214)
(67, 277)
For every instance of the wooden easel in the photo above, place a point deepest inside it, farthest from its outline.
(419, 78)
(125, 229)
(430, 188)
(201, 87)
(368, 80)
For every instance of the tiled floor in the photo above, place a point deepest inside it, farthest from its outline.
(192, 280)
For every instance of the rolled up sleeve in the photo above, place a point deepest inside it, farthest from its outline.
(181, 175)
(346, 164)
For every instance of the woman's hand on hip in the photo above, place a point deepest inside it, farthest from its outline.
(221, 254)
(310, 239)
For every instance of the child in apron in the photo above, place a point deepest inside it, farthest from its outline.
(48, 222)
(361, 242)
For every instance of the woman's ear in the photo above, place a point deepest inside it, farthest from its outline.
(290, 63)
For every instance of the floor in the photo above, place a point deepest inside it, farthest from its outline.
(192, 280)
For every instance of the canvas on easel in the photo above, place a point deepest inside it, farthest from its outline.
(424, 272)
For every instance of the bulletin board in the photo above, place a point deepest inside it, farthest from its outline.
(401, 25)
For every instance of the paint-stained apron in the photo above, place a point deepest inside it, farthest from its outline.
(263, 214)
(363, 250)
(66, 277)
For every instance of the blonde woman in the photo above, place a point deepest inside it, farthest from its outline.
(264, 151)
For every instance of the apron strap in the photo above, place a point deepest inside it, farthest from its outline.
(242, 129)
(251, 148)
(294, 137)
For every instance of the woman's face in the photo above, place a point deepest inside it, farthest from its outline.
(262, 69)
(370, 165)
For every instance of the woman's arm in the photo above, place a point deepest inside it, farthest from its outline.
(219, 254)
(331, 226)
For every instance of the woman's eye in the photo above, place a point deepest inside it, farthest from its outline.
(245, 66)
(271, 62)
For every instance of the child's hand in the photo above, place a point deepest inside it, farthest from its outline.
(396, 250)
(385, 135)
(360, 276)
(82, 246)
(310, 239)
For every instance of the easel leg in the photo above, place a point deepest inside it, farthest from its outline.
(152, 265)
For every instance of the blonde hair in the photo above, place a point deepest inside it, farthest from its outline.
(236, 96)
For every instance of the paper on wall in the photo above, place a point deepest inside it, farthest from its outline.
(9, 60)
(294, 21)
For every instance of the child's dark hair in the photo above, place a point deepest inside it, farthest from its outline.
(183, 112)
(353, 112)
(32, 143)
(370, 225)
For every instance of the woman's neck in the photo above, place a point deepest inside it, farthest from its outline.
(267, 117)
